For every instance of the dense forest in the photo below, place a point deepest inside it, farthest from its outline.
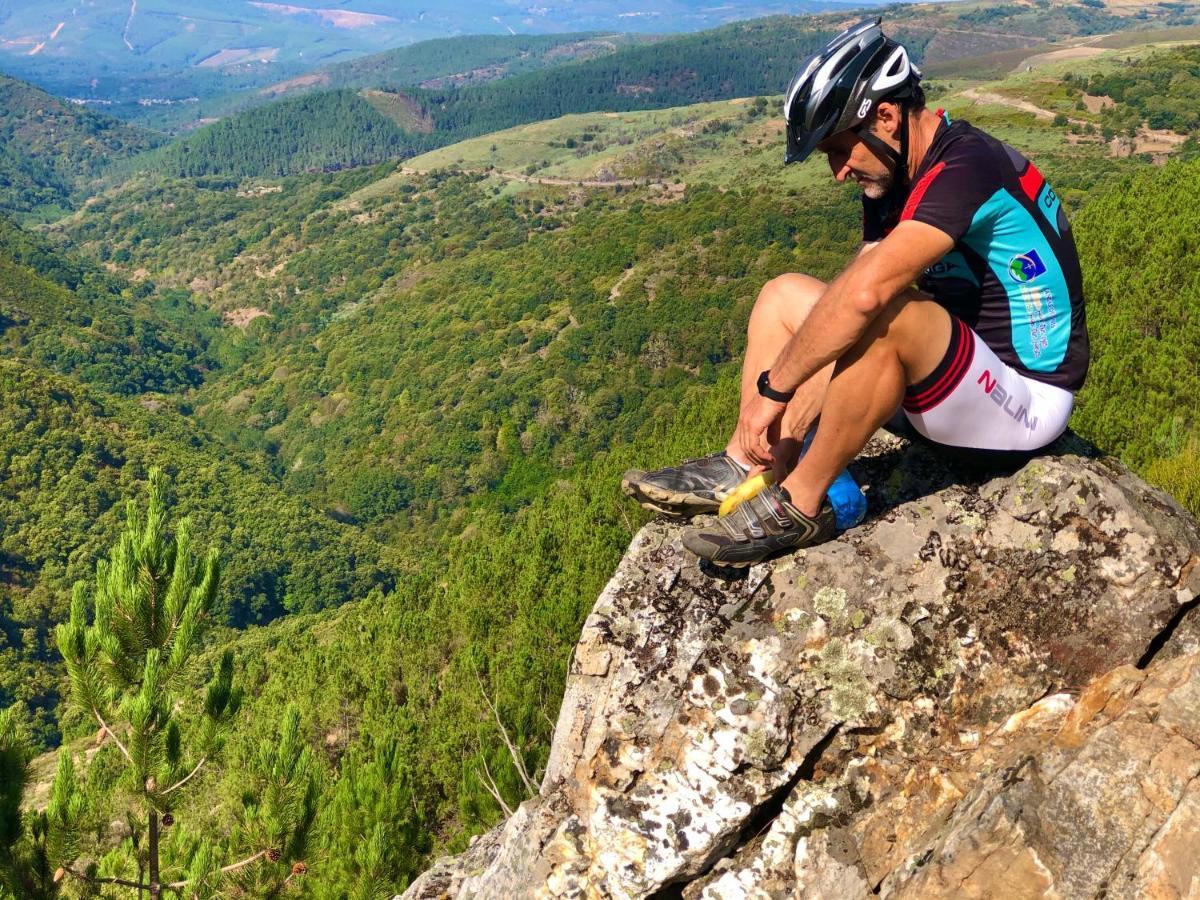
(472, 58)
(50, 149)
(395, 407)
(1159, 90)
(330, 130)
(336, 129)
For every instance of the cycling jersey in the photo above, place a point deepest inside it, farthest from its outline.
(1013, 273)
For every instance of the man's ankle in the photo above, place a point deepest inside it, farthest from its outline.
(736, 456)
(802, 500)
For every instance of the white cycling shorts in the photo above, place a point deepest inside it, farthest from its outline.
(974, 400)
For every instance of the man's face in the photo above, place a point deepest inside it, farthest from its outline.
(851, 159)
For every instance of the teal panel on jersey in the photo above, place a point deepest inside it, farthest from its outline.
(1010, 239)
(952, 265)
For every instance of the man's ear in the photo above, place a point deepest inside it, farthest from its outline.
(887, 118)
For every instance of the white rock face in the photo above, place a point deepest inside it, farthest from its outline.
(892, 710)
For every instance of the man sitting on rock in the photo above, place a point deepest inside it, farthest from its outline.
(985, 352)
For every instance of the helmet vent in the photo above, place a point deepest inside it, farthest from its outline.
(827, 72)
(893, 73)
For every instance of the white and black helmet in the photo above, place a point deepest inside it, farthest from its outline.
(837, 88)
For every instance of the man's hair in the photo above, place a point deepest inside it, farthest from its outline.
(915, 102)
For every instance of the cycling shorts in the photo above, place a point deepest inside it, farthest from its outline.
(974, 400)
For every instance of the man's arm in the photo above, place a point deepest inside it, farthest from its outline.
(852, 300)
(839, 319)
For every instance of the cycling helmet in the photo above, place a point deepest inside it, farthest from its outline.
(836, 89)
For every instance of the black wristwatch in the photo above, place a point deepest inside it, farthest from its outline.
(764, 388)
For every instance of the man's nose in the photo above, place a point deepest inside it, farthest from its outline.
(840, 168)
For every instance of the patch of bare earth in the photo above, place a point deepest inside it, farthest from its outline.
(260, 190)
(338, 18)
(1159, 144)
(1095, 104)
(293, 84)
(271, 272)
(409, 278)
(1058, 55)
(401, 109)
(614, 292)
(581, 49)
(459, 79)
(235, 55)
(243, 316)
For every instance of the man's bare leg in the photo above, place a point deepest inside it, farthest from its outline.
(903, 345)
(781, 308)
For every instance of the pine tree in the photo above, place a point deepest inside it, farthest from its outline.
(14, 757)
(150, 606)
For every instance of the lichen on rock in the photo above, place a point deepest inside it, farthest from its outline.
(893, 711)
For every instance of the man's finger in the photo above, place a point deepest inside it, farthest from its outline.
(763, 446)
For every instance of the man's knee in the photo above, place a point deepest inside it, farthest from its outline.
(917, 329)
(788, 298)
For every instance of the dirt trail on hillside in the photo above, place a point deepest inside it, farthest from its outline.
(1157, 142)
(552, 182)
(1023, 105)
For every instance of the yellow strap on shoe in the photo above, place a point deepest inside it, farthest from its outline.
(751, 487)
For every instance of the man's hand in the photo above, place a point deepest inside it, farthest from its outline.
(758, 420)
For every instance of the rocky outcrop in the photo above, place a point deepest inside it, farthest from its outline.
(990, 689)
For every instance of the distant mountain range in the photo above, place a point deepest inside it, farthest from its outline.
(122, 50)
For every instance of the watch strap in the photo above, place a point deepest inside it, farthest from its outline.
(765, 389)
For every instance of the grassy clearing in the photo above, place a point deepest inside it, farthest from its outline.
(401, 109)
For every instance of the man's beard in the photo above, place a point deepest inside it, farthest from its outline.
(878, 188)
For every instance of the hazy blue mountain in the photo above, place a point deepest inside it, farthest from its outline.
(157, 50)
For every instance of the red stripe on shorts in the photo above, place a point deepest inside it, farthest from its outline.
(964, 353)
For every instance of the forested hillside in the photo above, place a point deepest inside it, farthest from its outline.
(1142, 252)
(464, 94)
(407, 392)
(329, 130)
(72, 317)
(50, 150)
(469, 59)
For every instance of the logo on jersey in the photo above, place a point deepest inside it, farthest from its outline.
(864, 108)
(1026, 266)
(1041, 316)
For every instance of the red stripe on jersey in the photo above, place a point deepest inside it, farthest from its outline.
(918, 191)
(1031, 182)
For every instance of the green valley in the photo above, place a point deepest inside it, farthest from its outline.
(397, 396)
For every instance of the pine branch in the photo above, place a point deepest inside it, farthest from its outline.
(94, 879)
(224, 870)
(512, 748)
(187, 777)
(489, 785)
(112, 734)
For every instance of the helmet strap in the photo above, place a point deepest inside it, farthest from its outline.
(898, 159)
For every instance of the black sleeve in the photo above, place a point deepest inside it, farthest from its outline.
(882, 215)
(951, 192)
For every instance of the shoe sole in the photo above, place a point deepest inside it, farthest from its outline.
(772, 553)
(668, 503)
